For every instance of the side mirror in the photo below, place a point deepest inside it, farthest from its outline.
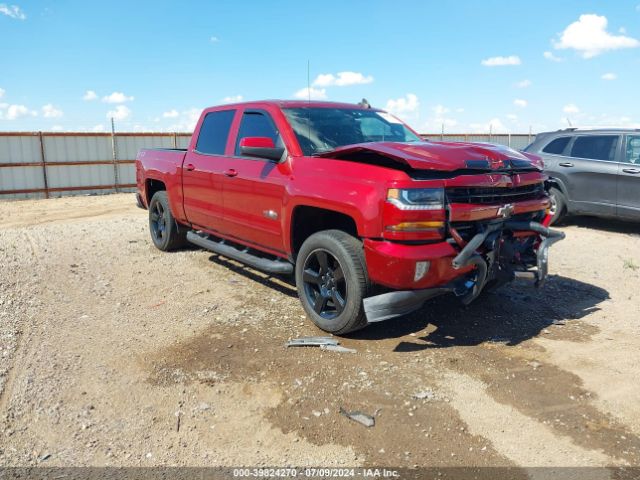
(260, 147)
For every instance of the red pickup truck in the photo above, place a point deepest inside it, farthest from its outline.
(371, 219)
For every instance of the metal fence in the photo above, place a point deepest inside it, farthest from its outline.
(44, 165)
(516, 141)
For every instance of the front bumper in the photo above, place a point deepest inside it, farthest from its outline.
(464, 273)
(393, 264)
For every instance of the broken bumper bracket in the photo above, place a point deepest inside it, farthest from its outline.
(394, 304)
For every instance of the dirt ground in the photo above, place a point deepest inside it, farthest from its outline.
(114, 353)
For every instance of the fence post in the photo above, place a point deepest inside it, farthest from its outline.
(175, 139)
(509, 140)
(114, 154)
(44, 166)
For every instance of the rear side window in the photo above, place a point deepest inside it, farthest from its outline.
(256, 124)
(557, 146)
(633, 149)
(214, 132)
(596, 147)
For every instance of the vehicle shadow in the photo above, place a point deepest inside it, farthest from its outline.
(280, 283)
(510, 316)
(604, 224)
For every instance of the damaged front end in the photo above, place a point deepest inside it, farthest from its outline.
(500, 252)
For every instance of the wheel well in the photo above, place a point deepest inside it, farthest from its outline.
(309, 220)
(154, 186)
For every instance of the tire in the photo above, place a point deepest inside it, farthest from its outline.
(166, 233)
(558, 205)
(332, 280)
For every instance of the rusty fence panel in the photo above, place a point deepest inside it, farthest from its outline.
(55, 164)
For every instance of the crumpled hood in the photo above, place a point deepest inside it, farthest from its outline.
(445, 156)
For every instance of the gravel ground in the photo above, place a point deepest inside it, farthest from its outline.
(113, 353)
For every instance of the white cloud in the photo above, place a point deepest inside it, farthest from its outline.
(57, 128)
(49, 111)
(518, 102)
(313, 93)
(609, 76)
(570, 108)
(341, 79)
(117, 97)
(214, 39)
(98, 128)
(512, 116)
(440, 119)
(550, 56)
(440, 110)
(232, 99)
(121, 112)
(12, 11)
(89, 95)
(14, 112)
(2, 92)
(590, 38)
(171, 114)
(404, 107)
(501, 61)
(524, 84)
(186, 121)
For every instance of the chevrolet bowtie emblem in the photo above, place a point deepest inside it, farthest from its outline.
(506, 211)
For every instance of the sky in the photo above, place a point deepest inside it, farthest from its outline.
(461, 66)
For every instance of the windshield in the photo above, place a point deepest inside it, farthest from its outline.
(323, 129)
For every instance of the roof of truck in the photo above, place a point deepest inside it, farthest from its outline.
(303, 103)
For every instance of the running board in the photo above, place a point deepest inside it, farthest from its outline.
(259, 263)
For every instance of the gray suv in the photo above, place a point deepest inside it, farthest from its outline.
(592, 171)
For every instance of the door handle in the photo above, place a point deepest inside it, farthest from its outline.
(566, 164)
(190, 167)
(633, 171)
(231, 173)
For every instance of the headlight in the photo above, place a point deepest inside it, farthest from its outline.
(416, 198)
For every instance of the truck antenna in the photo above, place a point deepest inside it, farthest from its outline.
(309, 81)
(309, 99)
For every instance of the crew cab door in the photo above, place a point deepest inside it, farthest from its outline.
(202, 170)
(591, 173)
(254, 188)
(629, 178)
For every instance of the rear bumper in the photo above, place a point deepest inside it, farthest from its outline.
(139, 202)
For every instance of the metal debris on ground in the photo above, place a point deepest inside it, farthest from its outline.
(337, 348)
(357, 416)
(424, 395)
(311, 342)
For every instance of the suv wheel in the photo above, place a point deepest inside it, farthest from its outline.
(166, 234)
(332, 280)
(558, 207)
